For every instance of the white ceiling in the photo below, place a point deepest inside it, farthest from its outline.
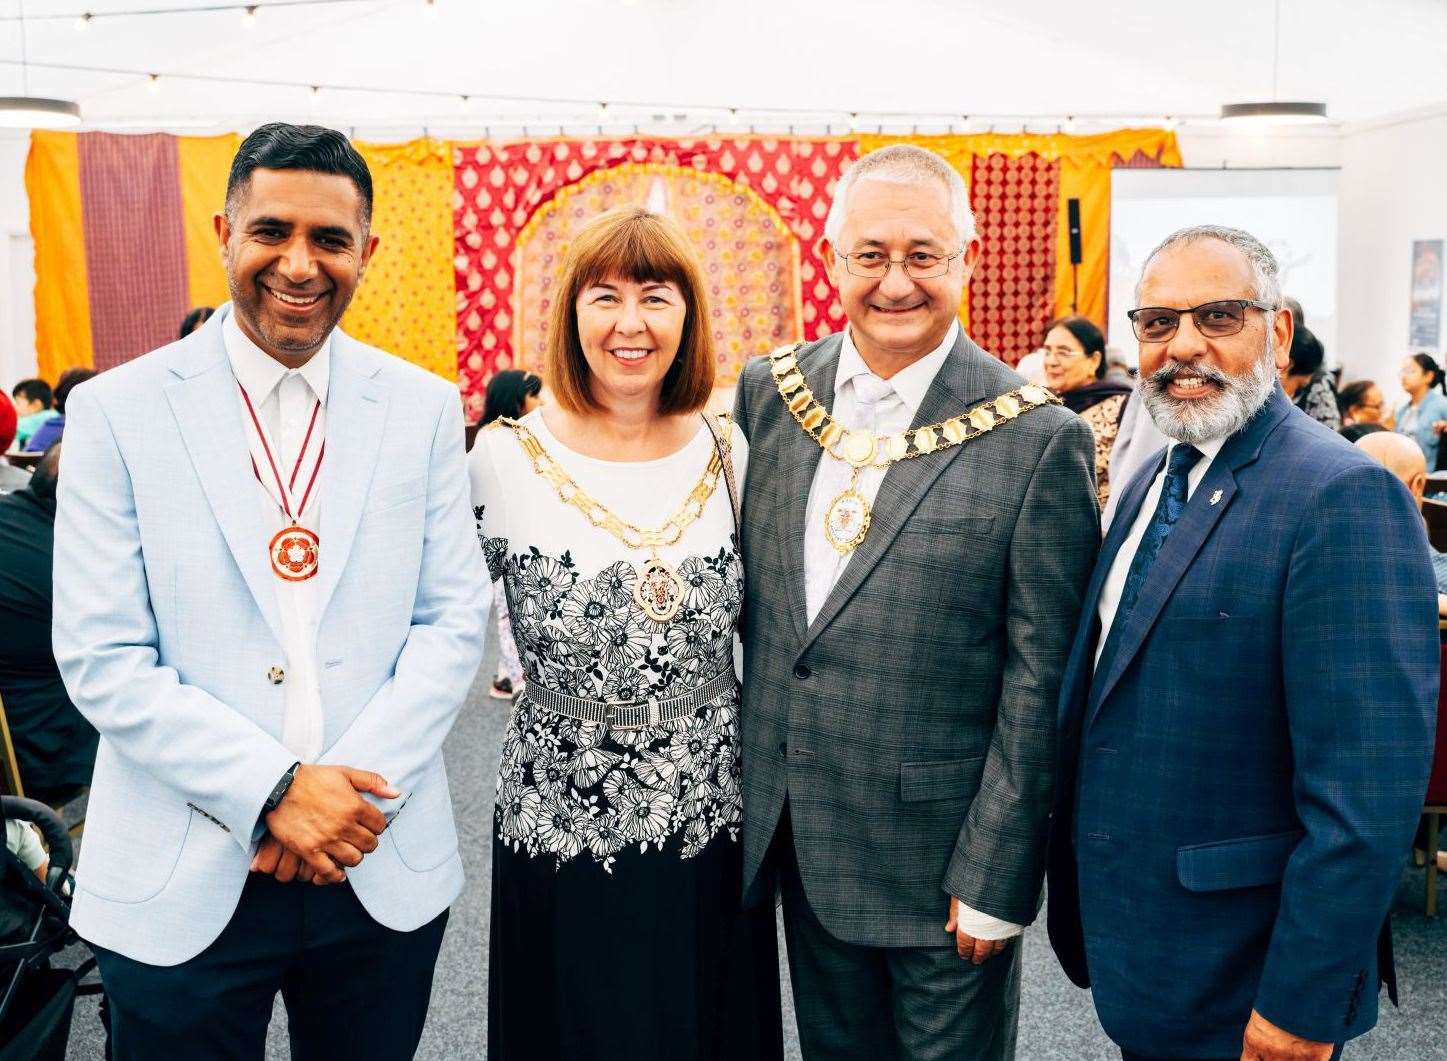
(897, 61)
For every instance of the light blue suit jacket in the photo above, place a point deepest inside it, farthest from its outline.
(166, 626)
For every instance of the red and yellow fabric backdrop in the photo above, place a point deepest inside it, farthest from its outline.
(472, 234)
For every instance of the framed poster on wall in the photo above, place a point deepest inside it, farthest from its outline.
(1425, 324)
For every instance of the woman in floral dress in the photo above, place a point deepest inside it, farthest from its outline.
(616, 926)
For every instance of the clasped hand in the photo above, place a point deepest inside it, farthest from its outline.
(322, 827)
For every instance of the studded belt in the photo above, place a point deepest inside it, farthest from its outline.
(631, 714)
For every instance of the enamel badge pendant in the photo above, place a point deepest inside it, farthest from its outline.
(294, 553)
(846, 521)
(658, 591)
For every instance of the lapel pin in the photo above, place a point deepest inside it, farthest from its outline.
(1216, 497)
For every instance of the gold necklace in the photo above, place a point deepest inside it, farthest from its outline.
(846, 521)
(658, 591)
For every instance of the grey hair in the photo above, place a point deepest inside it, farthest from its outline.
(1265, 271)
(903, 164)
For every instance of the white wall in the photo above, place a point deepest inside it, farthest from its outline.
(1391, 193)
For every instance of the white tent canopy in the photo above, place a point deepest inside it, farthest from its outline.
(685, 64)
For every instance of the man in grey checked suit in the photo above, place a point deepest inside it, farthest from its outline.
(899, 700)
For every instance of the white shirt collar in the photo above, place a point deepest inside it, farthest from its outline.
(1208, 449)
(259, 372)
(909, 383)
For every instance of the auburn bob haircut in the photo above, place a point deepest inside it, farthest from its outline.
(630, 244)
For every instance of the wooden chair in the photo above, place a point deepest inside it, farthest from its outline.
(1435, 513)
(72, 812)
(1435, 805)
(9, 767)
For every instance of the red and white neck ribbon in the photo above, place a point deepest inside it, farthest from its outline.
(293, 490)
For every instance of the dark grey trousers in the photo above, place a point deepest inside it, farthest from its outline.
(858, 1003)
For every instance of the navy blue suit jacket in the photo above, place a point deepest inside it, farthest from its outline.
(1240, 776)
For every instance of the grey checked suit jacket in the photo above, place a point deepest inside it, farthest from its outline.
(912, 724)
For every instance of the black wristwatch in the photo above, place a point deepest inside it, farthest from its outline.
(279, 792)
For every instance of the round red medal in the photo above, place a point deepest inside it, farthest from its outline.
(294, 553)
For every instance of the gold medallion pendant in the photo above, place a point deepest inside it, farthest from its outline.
(846, 521)
(658, 591)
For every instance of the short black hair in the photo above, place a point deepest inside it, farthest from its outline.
(1428, 364)
(34, 390)
(69, 380)
(1354, 432)
(507, 392)
(280, 145)
(1090, 338)
(193, 320)
(1307, 353)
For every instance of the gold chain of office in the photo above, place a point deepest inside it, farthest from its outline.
(846, 521)
(658, 591)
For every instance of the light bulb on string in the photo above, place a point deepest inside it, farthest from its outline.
(733, 116)
(429, 8)
(249, 18)
(153, 83)
(602, 113)
(83, 22)
(314, 98)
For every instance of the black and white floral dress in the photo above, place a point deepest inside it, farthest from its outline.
(616, 929)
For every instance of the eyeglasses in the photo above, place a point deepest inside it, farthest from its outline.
(1215, 320)
(917, 265)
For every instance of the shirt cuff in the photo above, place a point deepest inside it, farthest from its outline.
(983, 926)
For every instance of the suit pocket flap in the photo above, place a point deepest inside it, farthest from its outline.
(1246, 863)
(958, 777)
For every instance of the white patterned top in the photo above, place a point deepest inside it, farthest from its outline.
(567, 787)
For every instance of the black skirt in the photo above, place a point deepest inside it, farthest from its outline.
(651, 958)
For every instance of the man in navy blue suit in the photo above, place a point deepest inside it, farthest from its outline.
(1247, 713)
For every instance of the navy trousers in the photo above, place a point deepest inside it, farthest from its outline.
(352, 987)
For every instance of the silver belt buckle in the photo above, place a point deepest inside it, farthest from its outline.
(610, 714)
(655, 710)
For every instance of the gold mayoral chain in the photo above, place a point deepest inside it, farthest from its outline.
(658, 591)
(846, 521)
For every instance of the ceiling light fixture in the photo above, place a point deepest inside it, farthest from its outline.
(34, 112)
(1275, 111)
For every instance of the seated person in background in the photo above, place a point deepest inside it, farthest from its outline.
(54, 745)
(1404, 459)
(33, 401)
(48, 433)
(11, 478)
(1424, 414)
(1075, 370)
(1307, 382)
(193, 320)
(1361, 402)
(22, 841)
(1356, 432)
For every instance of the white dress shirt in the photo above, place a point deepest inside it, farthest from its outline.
(894, 411)
(1115, 582)
(284, 398)
(862, 401)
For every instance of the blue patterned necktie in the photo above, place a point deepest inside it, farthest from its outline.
(1168, 509)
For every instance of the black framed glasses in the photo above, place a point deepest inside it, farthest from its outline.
(1216, 320)
(917, 265)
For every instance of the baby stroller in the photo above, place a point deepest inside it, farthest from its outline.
(36, 1001)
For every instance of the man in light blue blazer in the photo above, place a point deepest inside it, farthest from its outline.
(1247, 713)
(269, 601)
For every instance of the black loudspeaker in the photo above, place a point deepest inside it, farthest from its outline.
(1073, 208)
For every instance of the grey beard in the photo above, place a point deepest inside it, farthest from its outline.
(1197, 421)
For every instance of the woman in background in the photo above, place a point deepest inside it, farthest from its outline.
(1424, 415)
(1075, 369)
(1307, 382)
(1360, 402)
(512, 393)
